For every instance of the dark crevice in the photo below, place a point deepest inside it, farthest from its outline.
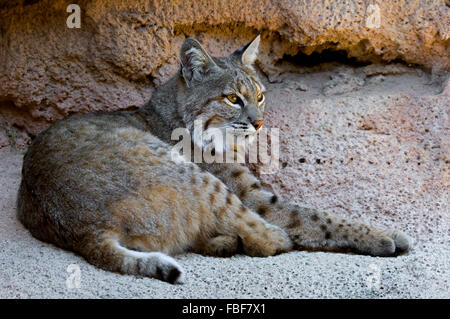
(334, 56)
(325, 56)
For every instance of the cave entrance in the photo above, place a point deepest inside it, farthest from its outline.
(324, 56)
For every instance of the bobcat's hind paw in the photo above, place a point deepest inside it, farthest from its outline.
(279, 240)
(160, 266)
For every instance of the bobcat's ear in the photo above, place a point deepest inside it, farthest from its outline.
(249, 52)
(195, 61)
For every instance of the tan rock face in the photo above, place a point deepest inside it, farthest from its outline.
(124, 49)
(379, 153)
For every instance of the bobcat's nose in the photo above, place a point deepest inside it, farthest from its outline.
(258, 124)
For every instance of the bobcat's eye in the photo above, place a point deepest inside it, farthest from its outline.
(260, 97)
(232, 98)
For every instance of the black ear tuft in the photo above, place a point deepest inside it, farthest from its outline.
(195, 61)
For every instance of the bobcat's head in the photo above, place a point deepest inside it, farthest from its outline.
(223, 93)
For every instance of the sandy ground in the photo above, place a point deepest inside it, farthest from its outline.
(350, 145)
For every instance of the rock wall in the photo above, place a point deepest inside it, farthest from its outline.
(124, 49)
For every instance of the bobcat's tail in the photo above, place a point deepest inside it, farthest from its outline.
(109, 254)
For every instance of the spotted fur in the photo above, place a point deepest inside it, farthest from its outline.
(106, 186)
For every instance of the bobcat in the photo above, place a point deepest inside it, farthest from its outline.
(106, 186)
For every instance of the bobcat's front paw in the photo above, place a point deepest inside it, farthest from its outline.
(391, 243)
(401, 240)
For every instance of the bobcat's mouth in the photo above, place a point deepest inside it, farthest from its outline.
(223, 139)
(241, 128)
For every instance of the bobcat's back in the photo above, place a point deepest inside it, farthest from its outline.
(90, 174)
